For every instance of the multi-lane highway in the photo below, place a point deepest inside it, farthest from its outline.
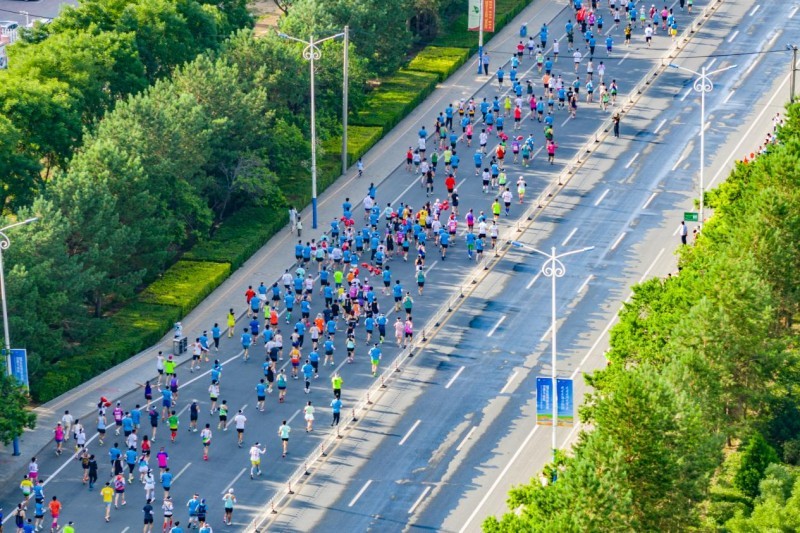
(458, 430)
(456, 421)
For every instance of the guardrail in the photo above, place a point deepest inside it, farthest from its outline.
(479, 271)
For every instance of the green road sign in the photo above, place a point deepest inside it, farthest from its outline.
(690, 216)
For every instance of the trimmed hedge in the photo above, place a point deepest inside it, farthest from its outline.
(397, 96)
(185, 284)
(359, 140)
(439, 60)
(134, 327)
(239, 236)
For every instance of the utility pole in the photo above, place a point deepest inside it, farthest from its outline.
(480, 36)
(345, 86)
(793, 80)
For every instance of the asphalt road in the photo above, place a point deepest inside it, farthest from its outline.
(37, 9)
(227, 467)
(457, 430)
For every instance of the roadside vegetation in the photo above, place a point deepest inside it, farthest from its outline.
(694, 423)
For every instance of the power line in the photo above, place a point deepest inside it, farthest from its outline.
(25, 13)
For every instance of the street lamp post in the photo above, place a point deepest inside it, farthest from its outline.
(792, 81)
(312, 53)
(480, 36)
(553, 268)
(702, 85)
(5, 242)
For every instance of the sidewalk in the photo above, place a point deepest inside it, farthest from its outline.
(270, 261)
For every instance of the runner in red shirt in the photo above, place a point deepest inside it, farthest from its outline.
(450, 183)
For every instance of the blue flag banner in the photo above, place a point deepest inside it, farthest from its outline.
(566, 402)
(19, 365)
(544, 401)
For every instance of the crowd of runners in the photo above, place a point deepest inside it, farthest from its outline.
(341, 300)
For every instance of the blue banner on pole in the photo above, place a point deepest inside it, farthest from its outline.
(19, 365)
(544, 401)
(566, 402)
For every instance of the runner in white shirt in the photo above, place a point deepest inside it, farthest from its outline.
(205, 438)
(239, 421)
(255, 459)
(308, 412)
(368, 203)
(66, 423)
(576, 58)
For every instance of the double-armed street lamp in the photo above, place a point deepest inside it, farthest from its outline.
(312, 53)
(5, 242)
(553, 268)
(702, 85)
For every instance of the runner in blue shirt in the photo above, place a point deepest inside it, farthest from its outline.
(478, 159)
(216, 335)
(329, 349)
(261, 394)
(397, 293)
(375, 358)
(500, 75)
(300, 328)
(289, 300)
(543, 36)
(313, 358)
(308, 371)
(369, 326)
(247, 341)
(381, 320)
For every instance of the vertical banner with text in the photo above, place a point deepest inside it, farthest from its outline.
(474, 15)
(544, 401)
(19, 365)
(488, 15)
(566, 403)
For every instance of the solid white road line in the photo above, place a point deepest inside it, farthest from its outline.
(464, 441)
(357, 496)
(647, 203)
(533, 280)
(660, 125)
(602, 197)
(571, 233)
(510, 379)
(678, 162)
(229, 485)
(293, 416)
(602, 334)
(687, 93)
(419, 500)
(632, 160)
(585, 283)
(565, 122)
(794, 11)
(624, 58)
(498, 480)
(619, 240)
(126, 529)
(746, 136)
(460, 370)
(430, 267)
(546, 333)
(494, 328)
(571, 433)
(184, 469)
(730, 95)
(647, 272)
(733, 36)
(753, 12)
(408, 434)
(711, 63)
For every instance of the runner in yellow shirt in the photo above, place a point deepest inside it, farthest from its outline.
(108, 497)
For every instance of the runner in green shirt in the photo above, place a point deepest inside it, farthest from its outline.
(336, 383)
(172, 421)
(283, 433)
(338, 276)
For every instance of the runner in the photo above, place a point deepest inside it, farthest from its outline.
(281, 386)
(308, 414)
(168, 509)
(255, 459)
(283, 433)
(205, 437)
(55, 511)
(336, 384)
(239, 421)
(149, 517)
(228, 501)
(107, 493)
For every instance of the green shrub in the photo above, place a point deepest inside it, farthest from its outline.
(359, 140)
(439, 60)
(240, 235)
(397, 96)
(135, 327)
(185, 284)
(756, 457)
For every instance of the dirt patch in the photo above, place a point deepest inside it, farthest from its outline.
(267, 15)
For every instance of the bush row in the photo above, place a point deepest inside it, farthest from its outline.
(439, 60)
